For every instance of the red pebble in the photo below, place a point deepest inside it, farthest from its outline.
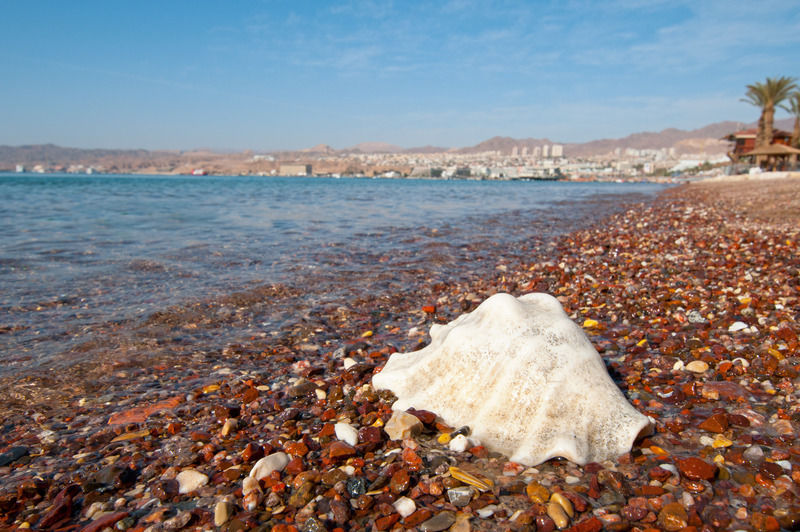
(295, 466)
(297, 448)
(412, 459)
(105, 521)
(340, 450)
(592, 524)
(479, 451)
(695, 468)
(717, 423)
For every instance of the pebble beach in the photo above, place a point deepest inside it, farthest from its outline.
(692, 299)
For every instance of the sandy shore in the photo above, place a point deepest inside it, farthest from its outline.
(692, 300)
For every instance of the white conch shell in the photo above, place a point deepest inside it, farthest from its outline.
(524, 378)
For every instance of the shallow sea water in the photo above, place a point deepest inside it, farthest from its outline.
(80, 254)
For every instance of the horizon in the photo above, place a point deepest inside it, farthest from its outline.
(280, 77)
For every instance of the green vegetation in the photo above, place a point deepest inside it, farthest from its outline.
(766, 96)
(793, 107)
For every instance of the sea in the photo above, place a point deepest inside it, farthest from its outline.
(82, 255)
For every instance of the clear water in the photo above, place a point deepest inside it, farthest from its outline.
(77, 251)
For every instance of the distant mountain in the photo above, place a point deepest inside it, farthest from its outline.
(319, 148)
(52, 154)
(426, 149)
(373, 147)
(705, 139)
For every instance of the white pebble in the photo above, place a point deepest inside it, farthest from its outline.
(348, 363)
(697, 366)
(737, 326)
(669, 467)
(346, 433)
(459, 444)
(348, 470)
(785, 464)
(677, 366)
(321, 394)
(705, 440)
(189, 480)
(487, 511)
(268, 464)
(405, 506)
(686, 499)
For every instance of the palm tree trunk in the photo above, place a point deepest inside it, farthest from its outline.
(769, 120)
(760, 131)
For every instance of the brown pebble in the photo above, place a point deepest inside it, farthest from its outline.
(695, 468)
(339, 450)
(717, 423)
(400, 482)
(672, 517)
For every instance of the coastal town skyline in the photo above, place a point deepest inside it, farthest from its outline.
(279, 76)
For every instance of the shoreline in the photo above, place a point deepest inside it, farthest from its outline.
(667, 283)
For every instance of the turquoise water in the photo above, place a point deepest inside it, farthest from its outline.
(78, 251)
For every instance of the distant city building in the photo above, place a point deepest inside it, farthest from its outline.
(20, 168)
(524, 151)
(295, 169)
(537, 152)
(558, 150)
(546, 151)
(514, 151)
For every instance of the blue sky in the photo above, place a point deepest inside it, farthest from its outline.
(286, 75)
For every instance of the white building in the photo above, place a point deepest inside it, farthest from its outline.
(557, 151)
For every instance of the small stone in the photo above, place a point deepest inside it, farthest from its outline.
(440, 521)
(696, 469)
(564, 503)
(340, 450)
(179, 521)
(165, 490)
(458, 444)
(302, 495)
(333, 476)
(346, 433)
(672, 517)
(737, 326)
(296, 448)
(12, 455)
(717, 423)
(386, 522)
(268, 464)
(697, 366)
(729, 391)
(222, 512)
(402, 425)
(537, 493)
(462, 523)
(341, 511)
(404, 506)
(356, 486)
(460, 496)
(421, 515)
(557, 514)
(721, 441)
(400, 481)
(753, 454)
(370, 435)
(190, 480)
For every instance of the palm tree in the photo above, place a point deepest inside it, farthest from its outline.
(794, 108)
(766, 96)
